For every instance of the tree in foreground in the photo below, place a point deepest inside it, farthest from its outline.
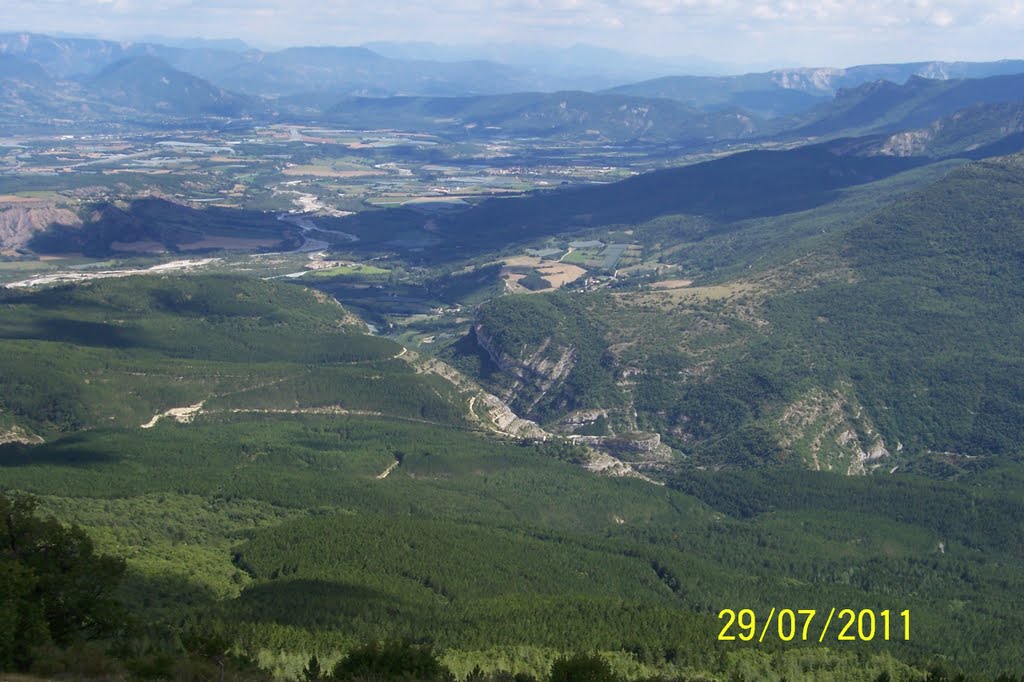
(393, 660)
(582, 668)
(312, 671)
(54, 588)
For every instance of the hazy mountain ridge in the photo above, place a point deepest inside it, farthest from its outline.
(150, 84)
(613, 117)
(361, 71)
(886, 107)
(345, 70)
(592, 66)
(26, 89)
(68, 57)
(22, 70)
(975, 132)
(777, 90)
(831, 80)
(140, 88)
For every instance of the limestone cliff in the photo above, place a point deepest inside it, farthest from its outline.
(531, 375)
(832, 432)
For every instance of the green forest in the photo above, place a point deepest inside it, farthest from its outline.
(206, 477)
(263, 532)
(908, 317)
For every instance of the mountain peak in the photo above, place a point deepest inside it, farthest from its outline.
(148, 83)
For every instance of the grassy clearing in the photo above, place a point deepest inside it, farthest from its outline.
(672, 284)
(674, 292)
(582, 256)
(22, 266)
(348, 271)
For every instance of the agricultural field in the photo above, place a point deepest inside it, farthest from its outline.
(270, 168)
(355, 270)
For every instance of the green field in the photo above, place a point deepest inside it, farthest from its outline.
(347, 271)
(582, 256)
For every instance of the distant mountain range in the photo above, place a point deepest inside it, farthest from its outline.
(871, 108)
(817, 81)
(784, 92)
(426, 69)
(143, 89)
(883, 106)
(150, 84)
(359, 71)
(343, 70)
(615, 118)
(45, 78)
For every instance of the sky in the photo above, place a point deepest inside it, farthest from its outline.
(762, 32)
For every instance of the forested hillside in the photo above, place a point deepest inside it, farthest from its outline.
(304, 511)
(602, 117)
(548, 354)
(471, 376)
(884, 345)
(123, 352)
(738, 186)
(884, 106)
(500, 552)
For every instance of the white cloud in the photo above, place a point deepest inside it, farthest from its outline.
(836, 32)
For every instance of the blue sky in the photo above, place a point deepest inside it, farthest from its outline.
(781, 32)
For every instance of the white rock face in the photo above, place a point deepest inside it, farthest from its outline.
(832, 430)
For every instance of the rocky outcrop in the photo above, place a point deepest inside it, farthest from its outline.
(605, 464)
(582, 417)
(831, 432)
(491, 409)
(532, 375)
(636, 448)
(19, 223)
(578, 419)
(813, 80)
(963, 131)
(910, 143)
(508, 422)
(17, 434)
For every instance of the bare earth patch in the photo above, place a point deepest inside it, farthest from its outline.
(672, 284)
(182, 415)
(60, 256)
(560, 274)
(512, 283)
(556, 274)
(672, 297)
(79, 276)
(15, 199)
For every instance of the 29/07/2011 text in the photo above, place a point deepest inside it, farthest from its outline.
(846, 625)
